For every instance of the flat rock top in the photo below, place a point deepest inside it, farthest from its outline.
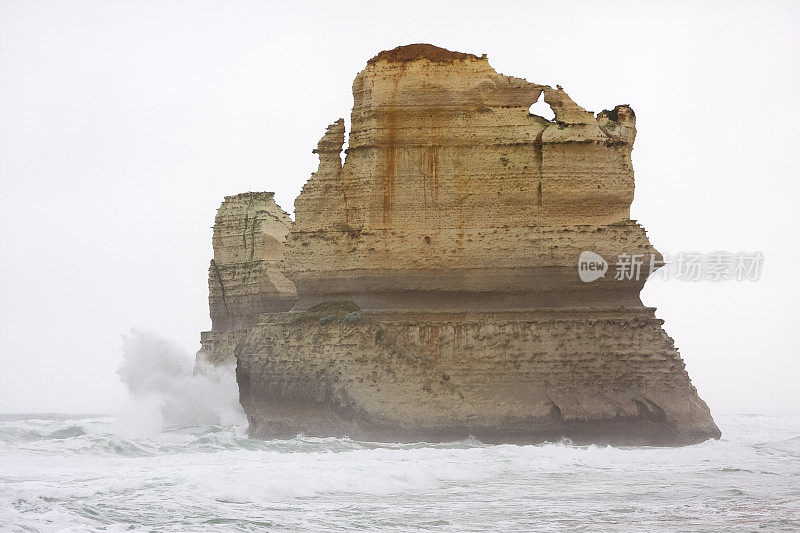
(412, 52)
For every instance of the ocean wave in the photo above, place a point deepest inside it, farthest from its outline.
(93, 473)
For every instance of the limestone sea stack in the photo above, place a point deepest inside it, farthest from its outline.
(433, 277)
(244, 279)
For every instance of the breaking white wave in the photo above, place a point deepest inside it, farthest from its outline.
(167, 390)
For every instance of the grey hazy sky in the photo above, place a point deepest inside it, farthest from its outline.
(124, 123)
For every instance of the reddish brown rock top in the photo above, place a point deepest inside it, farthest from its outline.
(412, 52)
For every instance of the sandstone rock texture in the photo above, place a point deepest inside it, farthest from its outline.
(436, 272)
(244, 279)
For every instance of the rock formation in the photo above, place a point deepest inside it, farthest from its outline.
(437, 277)
(244, 279)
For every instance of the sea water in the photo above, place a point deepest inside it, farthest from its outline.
(174, 462)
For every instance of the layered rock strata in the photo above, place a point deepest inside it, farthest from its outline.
(592, 375)
(453, 195)
(244, 278)
(437, 277)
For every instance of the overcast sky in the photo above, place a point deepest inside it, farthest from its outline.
(124, 123)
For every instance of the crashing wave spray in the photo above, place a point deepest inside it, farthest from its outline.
(168, 391)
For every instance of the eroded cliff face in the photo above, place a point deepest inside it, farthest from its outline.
(437, 280)
(453, 195)
(594, 376)
(244, 279)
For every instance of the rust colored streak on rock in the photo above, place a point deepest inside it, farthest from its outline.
(538, 158)
(389, 184)
(433, 172)
(389, 175)
(422, 158)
